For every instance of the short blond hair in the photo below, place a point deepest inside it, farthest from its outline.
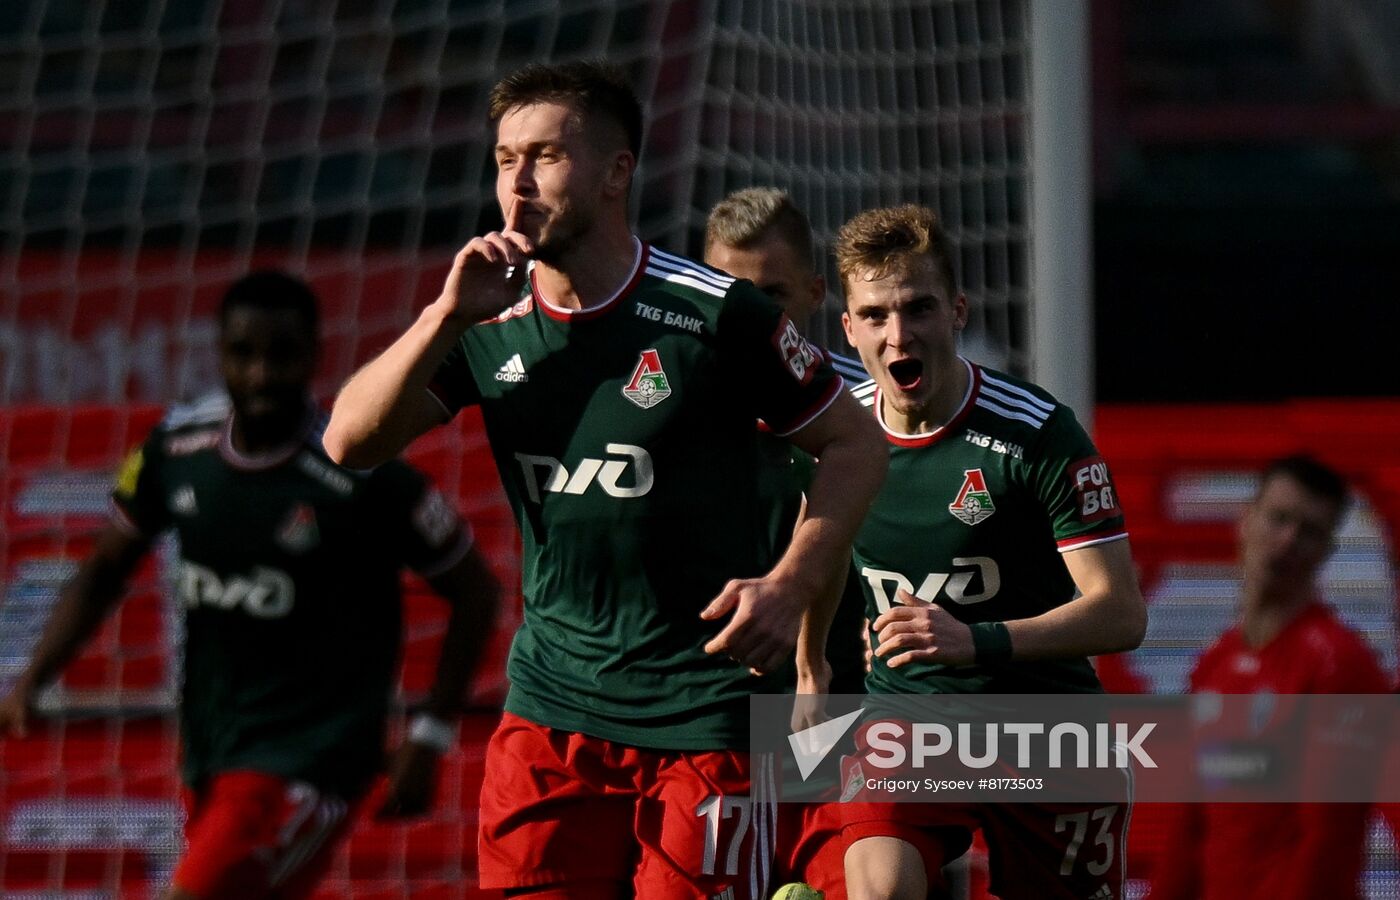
(749, 215)
(887, 239)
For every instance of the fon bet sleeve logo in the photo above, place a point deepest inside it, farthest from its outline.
(1094, 487)
(974, 502)
(648, 385)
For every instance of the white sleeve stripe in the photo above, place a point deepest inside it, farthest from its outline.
(681, 264)
(1091, 541)
(677, 278)
(865, 387)
(722, 284)
(1020, 392)
(853, 376)
(815, 414)
(1008, 414)
(1011, 402)
(455, 554)
(692, 271)
(846, 362)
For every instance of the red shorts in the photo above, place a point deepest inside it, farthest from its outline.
(1061, 850)
(562, 808)
(251, 834)
(810, 847)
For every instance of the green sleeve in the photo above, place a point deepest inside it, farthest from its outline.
(1072, 482)
(786, 380)
(453, 383)
(137, 494)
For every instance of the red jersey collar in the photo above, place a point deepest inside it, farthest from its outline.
(974, 384)
(1311, 611)
(561, 314)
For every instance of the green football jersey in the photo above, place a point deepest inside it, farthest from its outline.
(626, 440)
(784, 480)
(974, 517)
(288, 572)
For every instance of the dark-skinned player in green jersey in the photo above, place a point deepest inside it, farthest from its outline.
(289, 577)
(620, 386)
(994, 560)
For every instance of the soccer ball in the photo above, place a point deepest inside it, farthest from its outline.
(798, 891)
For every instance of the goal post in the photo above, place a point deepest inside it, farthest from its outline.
(1062, 195)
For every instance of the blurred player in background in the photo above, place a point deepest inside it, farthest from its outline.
(997, 561)
(1287, 641)
(289, 575)
(759, 234)
(620, 387)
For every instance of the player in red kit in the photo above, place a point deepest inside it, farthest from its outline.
(1287, 641)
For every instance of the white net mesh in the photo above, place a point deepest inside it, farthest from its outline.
(153, 150)
(149, 151)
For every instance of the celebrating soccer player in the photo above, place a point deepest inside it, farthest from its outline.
(620, 385)
(289, 574)
(995, 560)
(758, 233)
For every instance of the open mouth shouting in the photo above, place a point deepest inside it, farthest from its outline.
(907, 373)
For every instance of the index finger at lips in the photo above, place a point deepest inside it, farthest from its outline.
(523, 243)
(511, 230)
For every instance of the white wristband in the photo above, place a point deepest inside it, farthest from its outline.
(432, 732)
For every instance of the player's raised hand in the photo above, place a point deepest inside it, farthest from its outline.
(412, 782)
(919, 631)
(487, 273)
(762, 629)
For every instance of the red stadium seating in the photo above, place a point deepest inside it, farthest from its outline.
(74, 765)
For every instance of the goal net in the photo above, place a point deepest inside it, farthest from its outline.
(151, 151)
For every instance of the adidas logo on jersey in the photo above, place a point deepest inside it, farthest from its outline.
(513, 371)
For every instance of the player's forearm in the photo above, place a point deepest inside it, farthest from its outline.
(812, 665)
(475, 595)
(1089, 625)
(1108, 616)
(378, 411)
(850, 469)
(82, 605)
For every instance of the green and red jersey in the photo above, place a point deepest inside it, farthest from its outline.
(788, 476)
(288, 572)
(975, 516)
(625, 436)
